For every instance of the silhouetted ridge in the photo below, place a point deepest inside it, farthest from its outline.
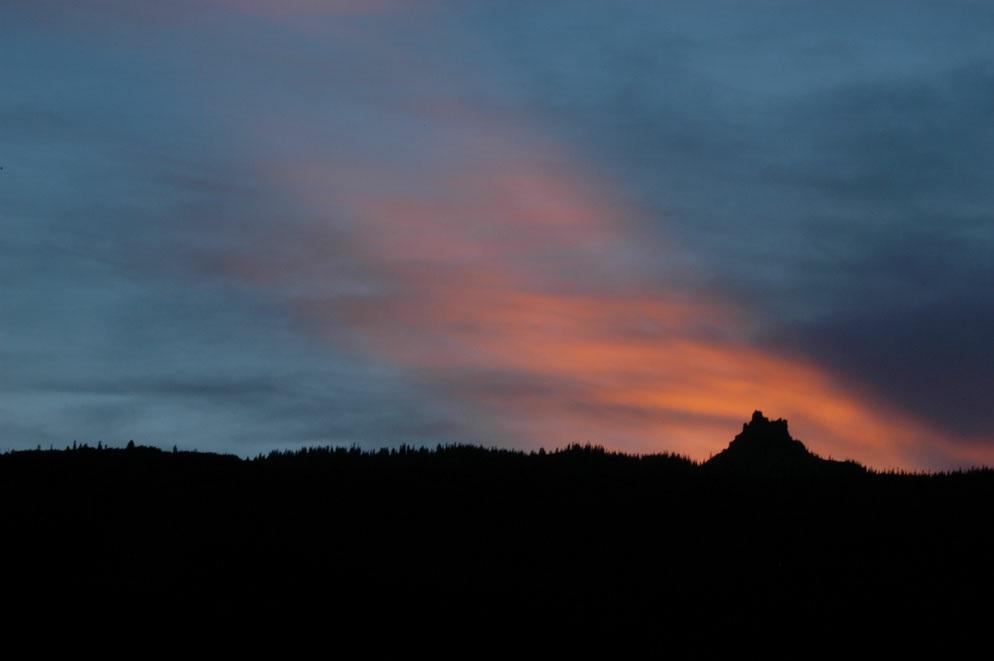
(765, 447)
(414, 543)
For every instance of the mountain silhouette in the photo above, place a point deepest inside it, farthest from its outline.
(765, 447)
(420, 544)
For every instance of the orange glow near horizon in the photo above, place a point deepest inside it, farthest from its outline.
(501, 275)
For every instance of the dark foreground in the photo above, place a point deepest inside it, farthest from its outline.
(583, 542)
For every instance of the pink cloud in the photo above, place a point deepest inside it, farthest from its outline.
(452, 240)
(515, 285)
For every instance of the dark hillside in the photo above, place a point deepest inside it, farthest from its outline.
(580, 540)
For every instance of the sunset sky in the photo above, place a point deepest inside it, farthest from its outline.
(239, 225)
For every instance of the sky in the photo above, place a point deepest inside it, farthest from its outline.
(242, 225)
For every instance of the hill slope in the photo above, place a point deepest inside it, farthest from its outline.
(576, 544)
(765, 447)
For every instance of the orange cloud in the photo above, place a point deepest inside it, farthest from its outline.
(449, 239)
(513, 287)
(445, 237)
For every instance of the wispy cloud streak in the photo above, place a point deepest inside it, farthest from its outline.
(508, 278)
(524, 223)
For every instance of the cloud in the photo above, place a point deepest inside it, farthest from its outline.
(527, 223)
(508, 279)
(824, 166)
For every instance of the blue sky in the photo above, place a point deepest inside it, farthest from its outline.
(242, 225)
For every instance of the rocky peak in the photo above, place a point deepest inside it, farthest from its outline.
(766, 447)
